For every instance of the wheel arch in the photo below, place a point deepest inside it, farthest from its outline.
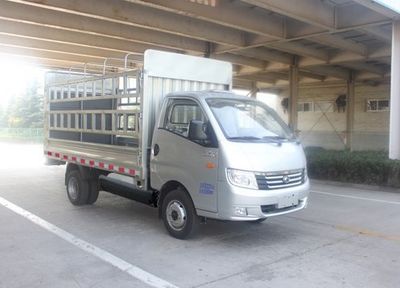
(85, 172)
(165, 189)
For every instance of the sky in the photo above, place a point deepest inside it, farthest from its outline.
(392, 4)
(15, 77)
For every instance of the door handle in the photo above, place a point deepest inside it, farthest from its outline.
(156, 149)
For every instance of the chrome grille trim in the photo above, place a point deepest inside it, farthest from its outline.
(275, 180)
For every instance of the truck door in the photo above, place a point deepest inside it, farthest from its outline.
(177, 158)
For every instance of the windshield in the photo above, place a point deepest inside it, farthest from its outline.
(248, 120)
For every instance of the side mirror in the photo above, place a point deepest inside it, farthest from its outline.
(196, 130)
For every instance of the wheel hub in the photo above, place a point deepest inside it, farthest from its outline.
(72, 188)
(176, 215)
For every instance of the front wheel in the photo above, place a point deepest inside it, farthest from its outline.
(179, 215)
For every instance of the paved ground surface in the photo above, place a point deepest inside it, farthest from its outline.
(347, 237)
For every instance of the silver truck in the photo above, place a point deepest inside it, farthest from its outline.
(172, 136)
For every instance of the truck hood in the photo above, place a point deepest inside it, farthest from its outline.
(263, 157)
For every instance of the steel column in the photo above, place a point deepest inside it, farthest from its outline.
(394, 136)
(350, 111)
(293, 93)
(254, 90)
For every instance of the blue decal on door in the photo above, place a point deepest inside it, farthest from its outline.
(207, 189)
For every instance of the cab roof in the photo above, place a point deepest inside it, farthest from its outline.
(206, 94)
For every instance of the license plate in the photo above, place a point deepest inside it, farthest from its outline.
(288, 200)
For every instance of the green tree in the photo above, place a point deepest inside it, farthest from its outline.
(26, 111)
(3, 117)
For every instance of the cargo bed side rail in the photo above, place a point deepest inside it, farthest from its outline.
(94, 113)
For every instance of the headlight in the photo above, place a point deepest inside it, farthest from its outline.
(241, 178)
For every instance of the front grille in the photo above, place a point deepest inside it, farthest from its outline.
(273, 208)
(281, 179)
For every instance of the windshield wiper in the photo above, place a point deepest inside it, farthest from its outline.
(280, 139)
(244, 138)
(275, 139)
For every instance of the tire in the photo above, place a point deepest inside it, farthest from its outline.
(179, 215)
(77, 188)
(93, 191)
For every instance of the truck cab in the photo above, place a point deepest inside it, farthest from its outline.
(233, 156)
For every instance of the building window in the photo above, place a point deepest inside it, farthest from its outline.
(304, 106)
(377, 105)
(324, 106)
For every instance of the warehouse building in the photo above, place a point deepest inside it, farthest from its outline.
(314, 54)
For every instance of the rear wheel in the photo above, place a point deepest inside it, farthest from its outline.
(179, 214)
(93, 191)
(77, 188)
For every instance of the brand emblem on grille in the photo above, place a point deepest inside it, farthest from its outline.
(285, 179)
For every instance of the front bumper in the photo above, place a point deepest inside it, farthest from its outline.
(240, 204)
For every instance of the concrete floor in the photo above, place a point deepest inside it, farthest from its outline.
(336, 242)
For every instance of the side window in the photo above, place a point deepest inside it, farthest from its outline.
(179, 114)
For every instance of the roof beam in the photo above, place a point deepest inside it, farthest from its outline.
(337, 72)
(370, 76)
(267, 55)
(322, 13)
(226, 13)
(45, 45)
(307, 74)
(258, 78)
(59, 64)
(263, 74)
(233, 15)
(53, 55)
(304, 10)
(240, 60)
(340, 43)
(385, 60)
(353, 15)
(345, 56)
(301, 50)
(307, 62)
(71, 37)
(379, 33)
(78, 23)
(281, 75)
(381, 9)
(123, 12)
(361, 66)
(381, 52)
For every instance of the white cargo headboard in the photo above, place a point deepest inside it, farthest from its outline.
(165, 72)
(185, 67)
